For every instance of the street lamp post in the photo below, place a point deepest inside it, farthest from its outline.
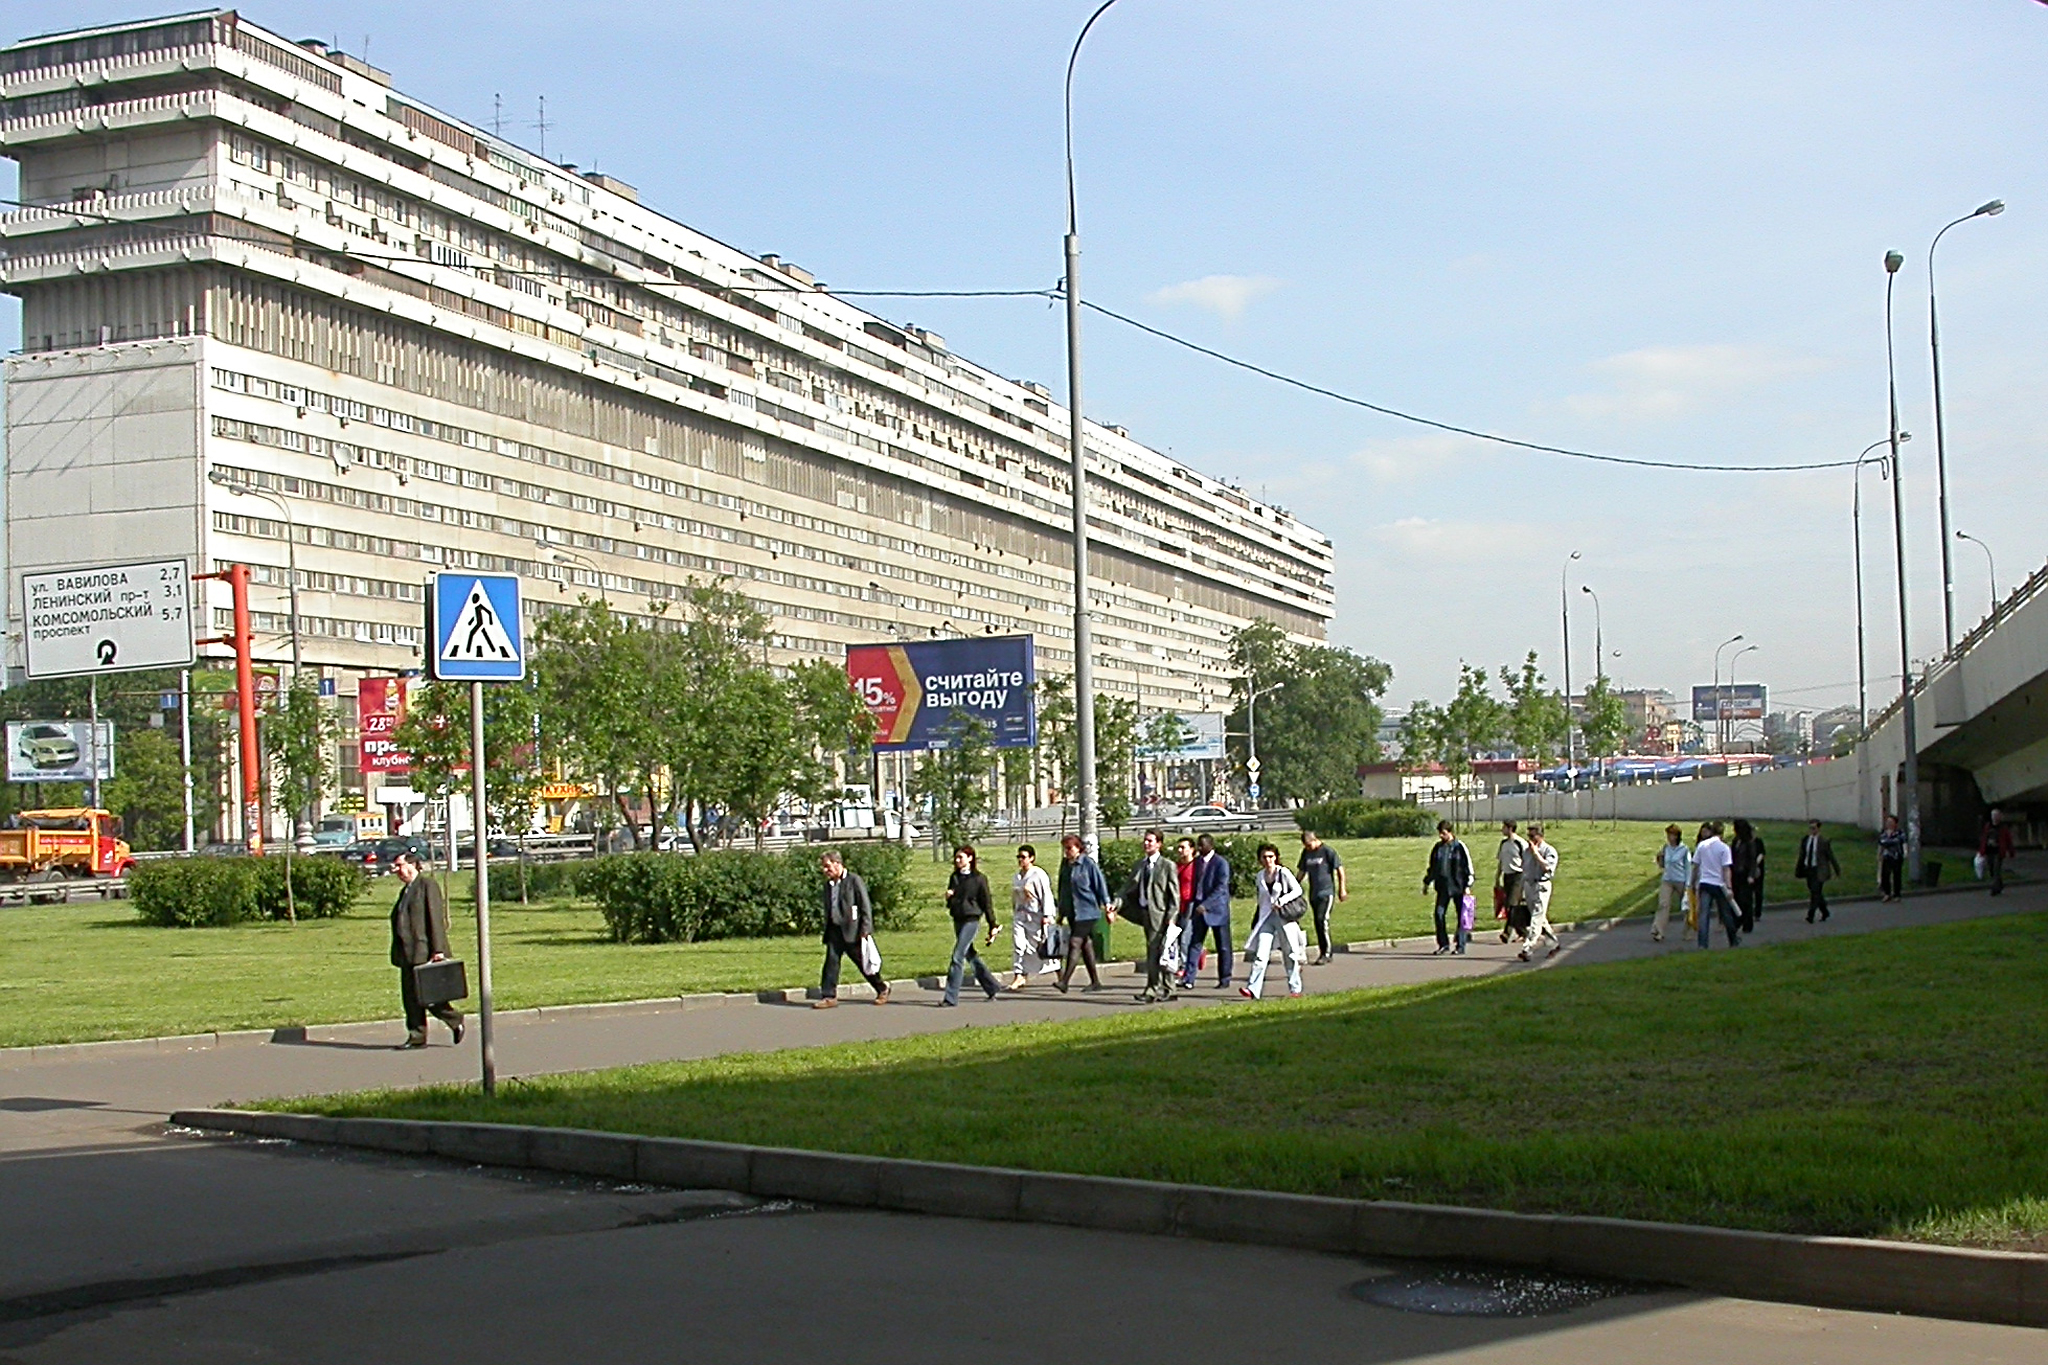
(1599, 647)
(1564, 611)
(291, 553)
(561, 556)
(1727, 729)
(1948, 578)
(1084, 663)
(1911, 780)
(1990, 564)
(1251, 732)
(1718, 704)
(1856, 535)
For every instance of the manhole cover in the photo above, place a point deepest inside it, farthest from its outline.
(1486, 1293)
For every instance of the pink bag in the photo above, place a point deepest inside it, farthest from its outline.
(1465, 911)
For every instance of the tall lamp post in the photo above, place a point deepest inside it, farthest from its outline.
(1564, 611)
(291, 552)
(1990, 564)
(1911, 780)
(1599, 646)
(1084, 663)
(1948, 578)
(1856, 535)
(1718, 708)
(1727, 728)
(558, 555)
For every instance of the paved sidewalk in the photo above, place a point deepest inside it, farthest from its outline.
(115, 1097)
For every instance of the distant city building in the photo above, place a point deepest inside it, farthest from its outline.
(1648, 710)
(1830, 723)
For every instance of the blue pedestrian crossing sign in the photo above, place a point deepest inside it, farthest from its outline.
(475, 629)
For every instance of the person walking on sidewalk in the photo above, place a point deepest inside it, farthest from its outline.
(419, 935)
(1211, 914)
(968, 902)
(1281, 906)
(1674, 862)
(1449, 874)
(1033, 913)
(1747, 872)
(1083, 898)
(1510, 861)
(1539, 874)
(1184, 860)
(1891, 860)
(1152, 901)
(1816, 865)
(1712, 861)
(849, 928)
(1322, 876)
(1994, 845)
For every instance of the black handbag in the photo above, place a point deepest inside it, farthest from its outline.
(438, 983)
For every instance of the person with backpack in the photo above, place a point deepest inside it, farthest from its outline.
(1281, 906)
(1449, 874)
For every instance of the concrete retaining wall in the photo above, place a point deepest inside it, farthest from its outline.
(1838, 1272)
(1831, 791)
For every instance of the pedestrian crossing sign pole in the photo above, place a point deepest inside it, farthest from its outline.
(475, 635)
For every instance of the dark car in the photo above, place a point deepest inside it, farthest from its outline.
(375, 856)
(497, 847)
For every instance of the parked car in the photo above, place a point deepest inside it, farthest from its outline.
(375, 856)
(1208, 816)
(334, 833)
(48, 747)
(499, 846)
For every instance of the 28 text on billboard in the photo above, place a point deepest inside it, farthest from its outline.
(922, 693)
(108, 619)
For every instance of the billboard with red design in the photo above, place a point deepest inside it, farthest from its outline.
(921, 693)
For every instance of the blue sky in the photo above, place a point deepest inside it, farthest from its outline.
(1652, 229)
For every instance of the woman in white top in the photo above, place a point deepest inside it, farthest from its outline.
(1032, 914)
(1538, 875)
(1281, 904)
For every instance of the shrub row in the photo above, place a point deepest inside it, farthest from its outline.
(1360, 819)
(186, 893)
(736, 893)
(1241, 851)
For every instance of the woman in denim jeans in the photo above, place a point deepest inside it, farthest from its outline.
(967, 900)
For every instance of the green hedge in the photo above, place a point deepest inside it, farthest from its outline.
(544, 881)
(187, 893)
(736, 893)
(1241, 851)
(1360, 819)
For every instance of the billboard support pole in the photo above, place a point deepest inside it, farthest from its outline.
(92, 691)
(185, 746)
(236, 576)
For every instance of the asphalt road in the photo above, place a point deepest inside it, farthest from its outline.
(122, 1241)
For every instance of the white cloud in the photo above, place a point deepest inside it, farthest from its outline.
(1659, 382)
(1425, 541)
(1227, 296)
(1398, 459)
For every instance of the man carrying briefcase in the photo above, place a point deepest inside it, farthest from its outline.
(419, 935)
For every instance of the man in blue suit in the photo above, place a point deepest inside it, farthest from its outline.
(1211, 913)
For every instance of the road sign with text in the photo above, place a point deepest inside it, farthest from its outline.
(475, 633)
(107, 620)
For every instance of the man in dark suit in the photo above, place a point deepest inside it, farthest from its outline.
(849, 919)
(1211, 913)
(419, 935)
(1816, 865)
(1152, 901)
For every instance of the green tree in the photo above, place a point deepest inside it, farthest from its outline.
(954, 781)
(1603, 718)
(148, 790)
(1317, 709)
(1165, 735)
(724, 728)
(1537, 721)
(597, 675)
(436, 734)
(1116, 746)
(298, 742)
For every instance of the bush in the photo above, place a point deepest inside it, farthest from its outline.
(185, 893)
(544, 881)
(323, 887)
(1355, 818)
(1120, 856)
(735, 893)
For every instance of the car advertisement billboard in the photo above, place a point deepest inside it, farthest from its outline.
(380, 705)
(1744, 702)
(1201, 737)
(57, 751)
(919, 692)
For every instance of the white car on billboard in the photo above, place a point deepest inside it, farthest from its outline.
(46, 747)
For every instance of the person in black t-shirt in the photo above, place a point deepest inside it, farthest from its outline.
(1322, 876)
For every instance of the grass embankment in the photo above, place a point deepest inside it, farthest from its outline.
(1878, 1085)
(85, 972)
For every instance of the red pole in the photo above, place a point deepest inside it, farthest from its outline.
(245, 707)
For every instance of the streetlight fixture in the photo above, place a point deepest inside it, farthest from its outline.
(1911, 800)
(1856, 535)
(1989, 563)
(1564, 611)
(1599, 647)
(1948, 578)
(1251, 727)
(219, 478)
(558, 555)
(1727, 727)
(1718, 707)
(1084, 663)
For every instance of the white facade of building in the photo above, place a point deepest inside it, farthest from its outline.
(259, 264)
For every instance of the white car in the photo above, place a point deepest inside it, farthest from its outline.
(1208, 817)
(48, 747)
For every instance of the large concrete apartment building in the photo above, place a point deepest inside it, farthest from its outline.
(264, 295)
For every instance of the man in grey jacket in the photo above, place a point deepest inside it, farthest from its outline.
(849, 924)
(1152, 901)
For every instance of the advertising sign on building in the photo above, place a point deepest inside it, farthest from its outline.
(380, 705)
(1746, 702)
(1201, 737)
(107, 620)
(58, 751)
(920, 693)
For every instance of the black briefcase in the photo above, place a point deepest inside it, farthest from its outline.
(440, 982)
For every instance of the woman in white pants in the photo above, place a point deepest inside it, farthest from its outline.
(1032, 913)
(1281, 904)
(1539, 874)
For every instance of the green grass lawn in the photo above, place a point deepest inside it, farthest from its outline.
(1882, 1084)
(83, 972)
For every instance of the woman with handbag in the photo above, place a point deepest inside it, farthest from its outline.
(1033, 918)
(1083, 898)
(1281, 906)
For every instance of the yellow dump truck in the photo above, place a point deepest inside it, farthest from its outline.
(76, 843)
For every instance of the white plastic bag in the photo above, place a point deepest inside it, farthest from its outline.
(1982, 866)
(870, 956)
(1170, 952)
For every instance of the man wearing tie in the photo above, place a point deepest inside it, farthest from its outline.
(1816, 864)
(1211, 913)
(1154, 896)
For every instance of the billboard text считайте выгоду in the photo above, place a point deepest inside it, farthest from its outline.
(919, 692)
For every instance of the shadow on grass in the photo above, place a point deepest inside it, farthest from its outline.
(1886, 1084)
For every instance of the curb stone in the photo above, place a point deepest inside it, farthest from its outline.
(1830, 1272)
